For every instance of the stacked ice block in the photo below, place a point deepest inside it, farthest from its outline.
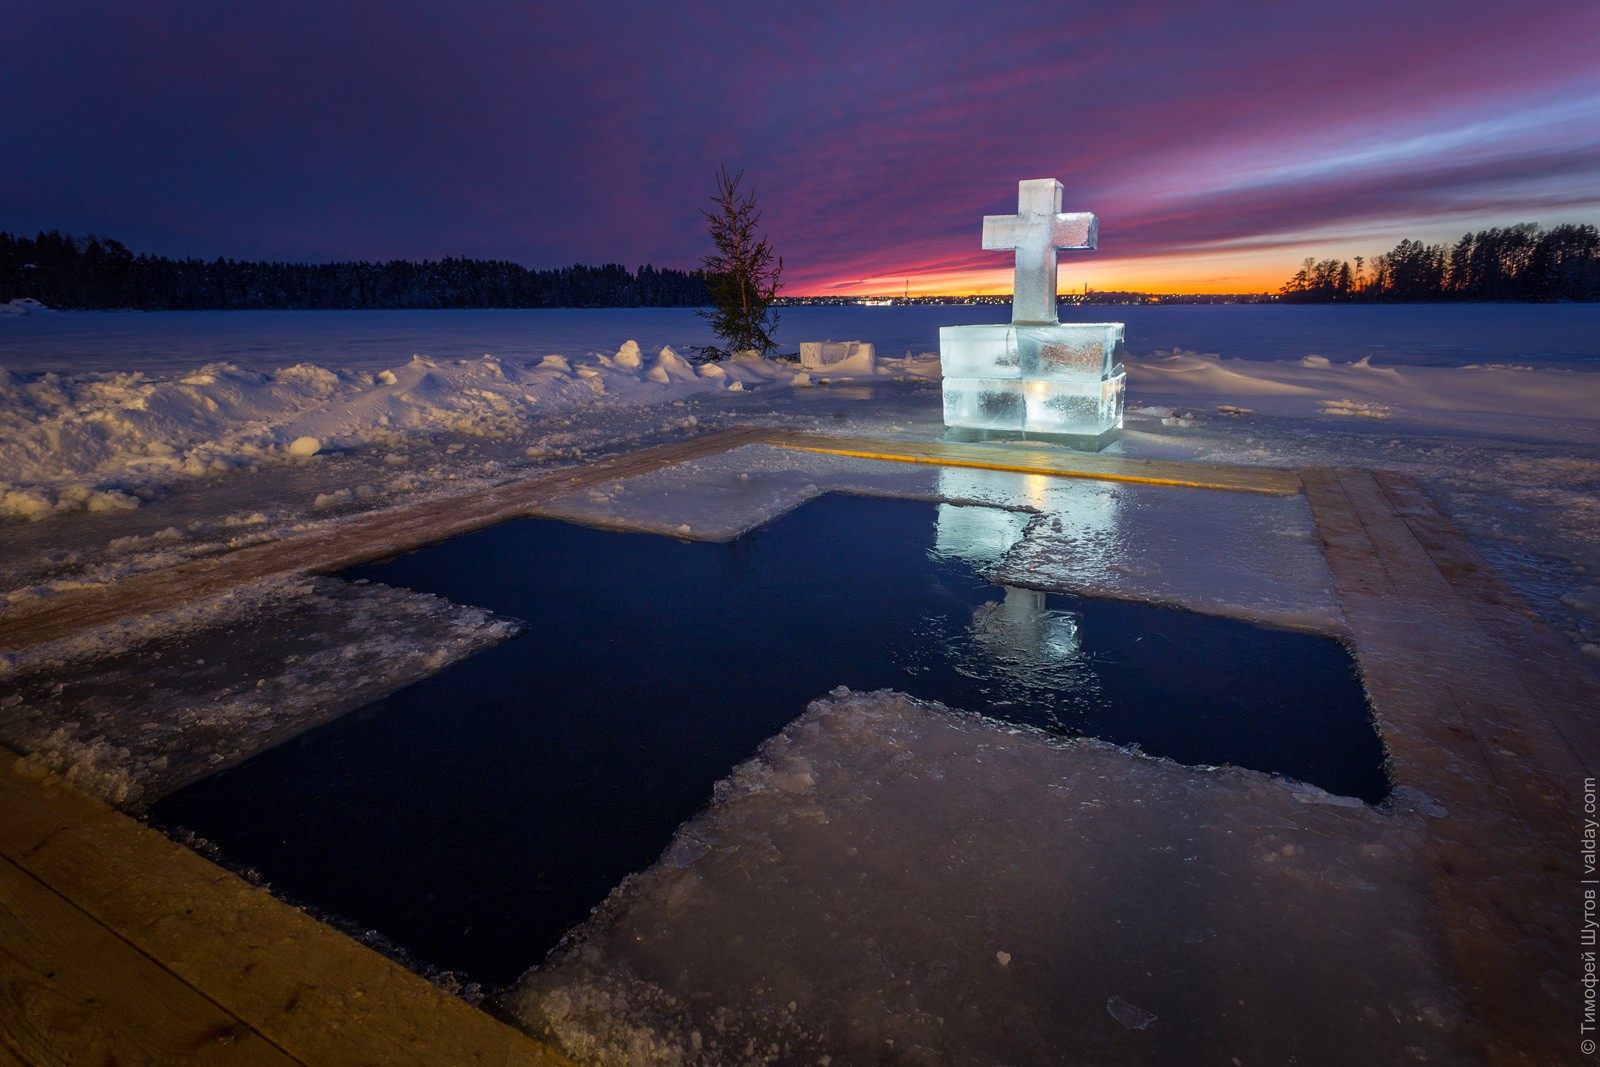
(1061, 381)
(1036, 378)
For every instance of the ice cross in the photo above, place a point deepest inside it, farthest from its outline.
(1036, 231)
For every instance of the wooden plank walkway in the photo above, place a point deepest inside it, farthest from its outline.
(1491, 715)
(119, 946)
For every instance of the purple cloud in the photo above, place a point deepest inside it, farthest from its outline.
(876, 137)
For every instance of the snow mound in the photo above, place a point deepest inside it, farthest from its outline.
(25, 305)
(1315, 385)
(95, 441)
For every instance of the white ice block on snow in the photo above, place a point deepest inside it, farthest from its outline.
(837, 357)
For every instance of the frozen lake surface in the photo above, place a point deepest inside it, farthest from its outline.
(157, 439)
(1415, 335)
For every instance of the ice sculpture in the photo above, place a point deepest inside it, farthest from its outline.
(1038, 378)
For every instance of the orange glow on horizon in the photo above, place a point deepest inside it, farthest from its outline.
(1253, 270)
(1178, 274)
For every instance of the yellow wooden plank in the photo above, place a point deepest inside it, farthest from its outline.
(308, 989)
(75, 993)
(1058, 462)
(1453, 710)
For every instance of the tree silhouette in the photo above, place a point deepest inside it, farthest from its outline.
(740, 273)
(1518, 262)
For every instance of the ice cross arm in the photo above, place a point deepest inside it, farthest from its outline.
(1036, 232)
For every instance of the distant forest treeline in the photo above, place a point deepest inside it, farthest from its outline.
(63, 271)
(1522, 263)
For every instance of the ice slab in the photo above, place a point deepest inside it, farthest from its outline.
(1241, 555)
(985, 403)
(837, 357)
(1068, 407)
(979, 352)
(131, 713)
(1068, 376)
(1076, 351)
(888, 881)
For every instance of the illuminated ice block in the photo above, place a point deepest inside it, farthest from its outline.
(1070, 351)
(1035, 378)
(1077, 408)
(979, 352)
(984, 403)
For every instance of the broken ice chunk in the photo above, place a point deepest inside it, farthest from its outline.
(1130, 1015)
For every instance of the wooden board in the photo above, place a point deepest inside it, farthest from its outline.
(1568, 688)
(1033, 459)
(302, 987)
(74, 992)
(1468, 723)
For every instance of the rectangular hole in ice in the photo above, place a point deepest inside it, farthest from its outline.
(474, 817)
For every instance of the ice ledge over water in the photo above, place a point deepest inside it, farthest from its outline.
(132, 711)
(889, 881)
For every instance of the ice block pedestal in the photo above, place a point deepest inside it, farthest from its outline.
(1060, 382)
(1036, 379)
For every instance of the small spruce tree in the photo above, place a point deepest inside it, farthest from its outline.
(741, 274)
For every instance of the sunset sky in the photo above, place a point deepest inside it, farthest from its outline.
(1219, 144)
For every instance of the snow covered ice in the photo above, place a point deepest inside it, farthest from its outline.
(893, 882)
(134, 711)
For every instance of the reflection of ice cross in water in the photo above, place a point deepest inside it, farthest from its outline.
(1036, 231)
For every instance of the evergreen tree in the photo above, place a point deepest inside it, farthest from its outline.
(740, 273)
(1518, 262)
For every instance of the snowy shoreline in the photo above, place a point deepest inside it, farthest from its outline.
(169, 462)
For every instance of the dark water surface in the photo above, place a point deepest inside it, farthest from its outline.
(477, 815)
